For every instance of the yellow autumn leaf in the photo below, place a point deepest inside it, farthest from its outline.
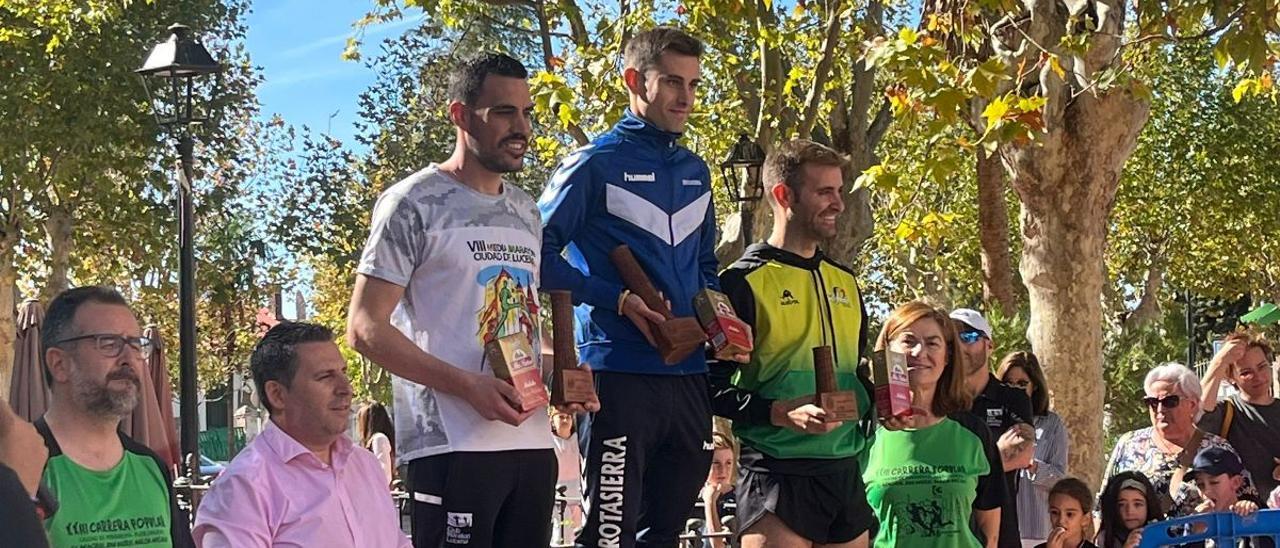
(905, 232)
(908, 36)
(1241, 89)
(995, 111)
(1055, 65)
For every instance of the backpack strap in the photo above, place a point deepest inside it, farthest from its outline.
(1227, 416)
(1185, 459)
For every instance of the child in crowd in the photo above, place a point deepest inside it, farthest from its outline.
(1068, 500)
(1218, 473)
(1128, 502)
(568, 516)
(717, 497)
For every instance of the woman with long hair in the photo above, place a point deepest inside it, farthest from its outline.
(1022, 370)
(928, 475)
(373, 425)
(1128, 502)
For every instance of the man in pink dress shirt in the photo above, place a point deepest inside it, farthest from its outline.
(302, 481)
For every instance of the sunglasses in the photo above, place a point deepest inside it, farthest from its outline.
(970, 337)
(1168, 402)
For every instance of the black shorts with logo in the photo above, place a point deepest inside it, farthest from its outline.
(483, 499)
(827, 507)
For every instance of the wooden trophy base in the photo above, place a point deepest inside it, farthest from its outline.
(679, 337)
(839, 406)
(571, 386)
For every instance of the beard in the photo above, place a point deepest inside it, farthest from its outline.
(99, 398)
(497, 160)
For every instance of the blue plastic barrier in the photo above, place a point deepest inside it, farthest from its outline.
(1224, 528)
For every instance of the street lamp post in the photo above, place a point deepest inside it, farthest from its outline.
(176, 63)
(748, 157)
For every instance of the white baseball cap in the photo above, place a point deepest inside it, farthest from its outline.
(973, 319)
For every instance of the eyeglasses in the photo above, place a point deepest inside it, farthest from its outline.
(1168, 402)
(971, 336)
(112, 345)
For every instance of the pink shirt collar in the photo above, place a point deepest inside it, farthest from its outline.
(287, 449)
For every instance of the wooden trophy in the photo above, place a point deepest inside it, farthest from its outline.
(676, 338)
(840, 405)
(512, 360)
(569, 383)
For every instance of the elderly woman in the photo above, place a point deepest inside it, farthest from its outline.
(1022, 370)
(1173, 403)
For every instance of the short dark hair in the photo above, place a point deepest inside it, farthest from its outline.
(1029, 364)
(275, 358)
(467, 79)
(783, 164)
(62, 312)
(645, 49)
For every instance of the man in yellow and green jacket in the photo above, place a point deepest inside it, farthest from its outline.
(800, 470)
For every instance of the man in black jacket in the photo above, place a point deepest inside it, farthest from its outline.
(1005, 410)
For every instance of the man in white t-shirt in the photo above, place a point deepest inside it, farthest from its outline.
(451, 264)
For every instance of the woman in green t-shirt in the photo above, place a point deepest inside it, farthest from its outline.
(928, 477)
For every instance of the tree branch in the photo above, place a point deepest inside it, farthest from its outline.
(548, 61)
(509, 27)
(771, 82)
(809, 116)
(577, 29)
(880, 124)
(1148, 308)
(1198, 36)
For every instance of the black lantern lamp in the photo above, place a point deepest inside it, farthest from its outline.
(749, 157)
(174, 65)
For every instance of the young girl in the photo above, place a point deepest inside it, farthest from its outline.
(1128, 502)
(1068, 500)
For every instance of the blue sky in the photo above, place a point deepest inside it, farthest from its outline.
(298, 43)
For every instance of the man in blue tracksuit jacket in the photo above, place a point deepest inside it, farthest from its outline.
(649, 447)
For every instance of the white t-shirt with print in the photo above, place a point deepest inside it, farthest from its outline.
(469, 264)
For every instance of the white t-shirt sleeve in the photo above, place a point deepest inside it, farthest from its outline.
(397, 239)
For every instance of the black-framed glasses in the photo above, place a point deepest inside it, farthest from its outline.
(111, 345)
(971, 336)
(1168, 402)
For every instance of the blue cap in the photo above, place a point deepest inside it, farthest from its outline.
(1217, 461)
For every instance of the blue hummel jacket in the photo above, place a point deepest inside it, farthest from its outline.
(633, 185)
